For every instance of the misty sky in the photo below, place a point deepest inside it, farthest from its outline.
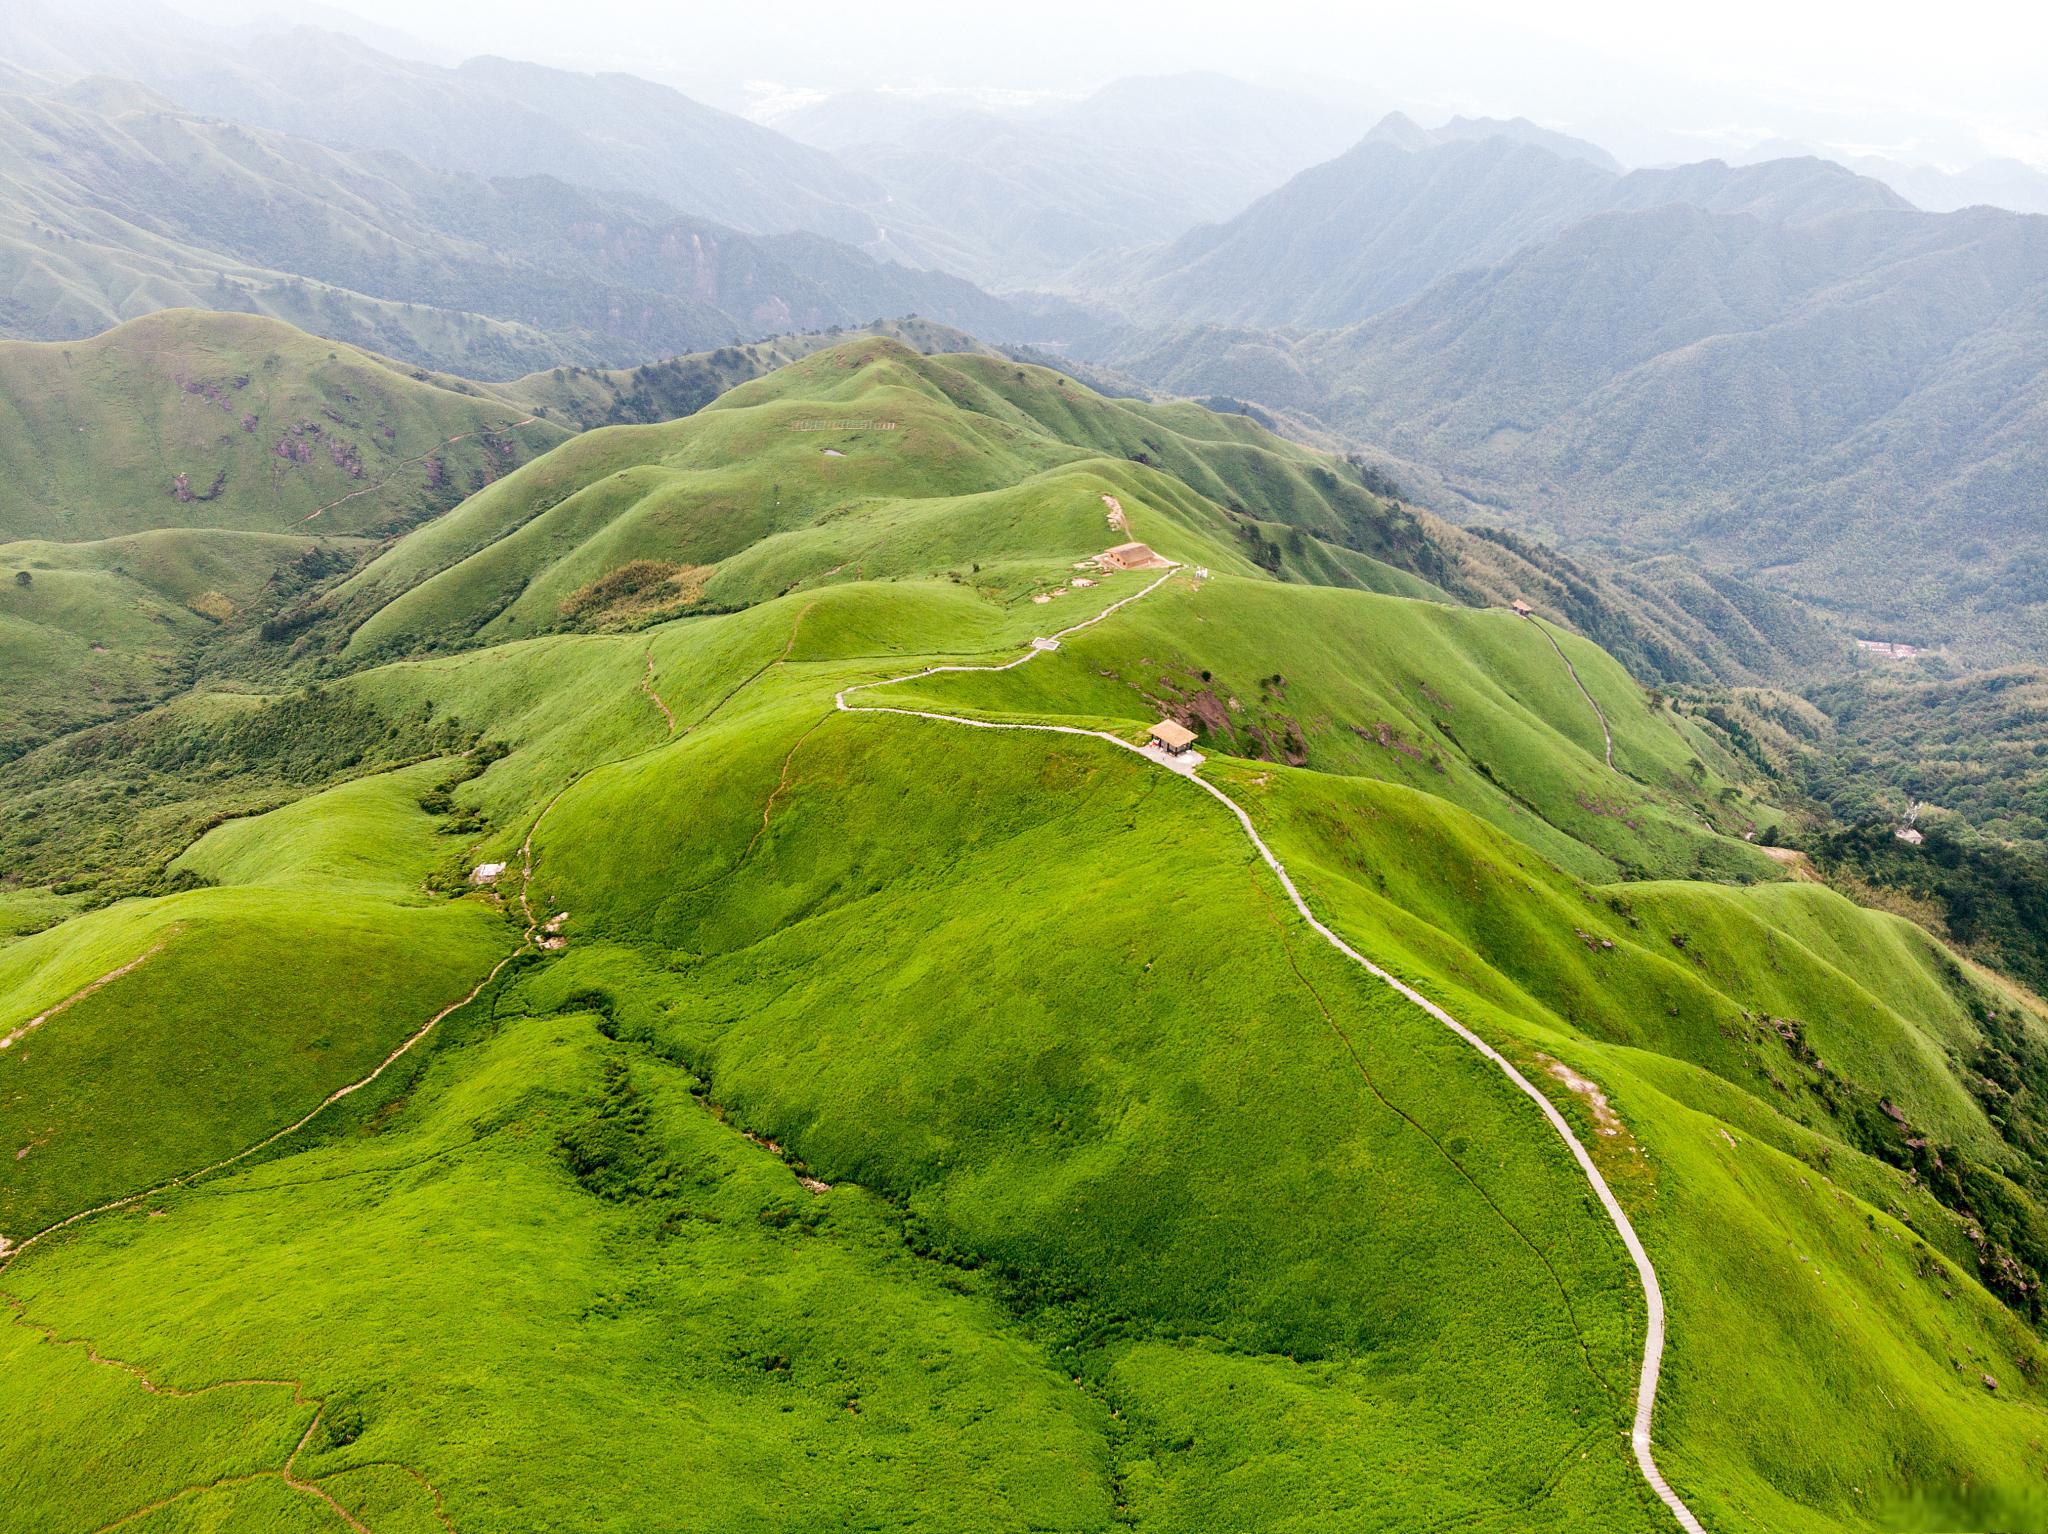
(1946, 84)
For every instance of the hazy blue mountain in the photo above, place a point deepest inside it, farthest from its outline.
(488, 116)
(1380, 223)
(1401, 130)
(114, 203)
(1996, 183)
(1026, 194)
(1853, 408)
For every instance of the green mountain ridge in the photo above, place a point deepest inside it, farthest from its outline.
(177, 481)
(867, 1117)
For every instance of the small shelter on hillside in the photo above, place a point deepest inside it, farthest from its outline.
(1520, 607)
(1172, 736)
(1128, 556)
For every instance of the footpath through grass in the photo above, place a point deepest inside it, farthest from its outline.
(933, 1128)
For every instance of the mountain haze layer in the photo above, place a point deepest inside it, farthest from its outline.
(115, 203)
(1377, 225)
(486, 117)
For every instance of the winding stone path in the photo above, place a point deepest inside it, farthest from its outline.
(1653, 1295)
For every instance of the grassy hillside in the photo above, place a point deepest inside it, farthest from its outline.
(887, 1121)
(536, 552)
(233, 1008)
(226, 421)
(92, 631)
(178, 480)
(863, 462)
(678, 386)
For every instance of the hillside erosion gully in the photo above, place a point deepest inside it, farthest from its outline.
(1653, 1294)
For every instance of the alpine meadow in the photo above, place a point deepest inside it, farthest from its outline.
(878, 791)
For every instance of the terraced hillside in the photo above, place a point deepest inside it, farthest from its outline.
(874, 1092)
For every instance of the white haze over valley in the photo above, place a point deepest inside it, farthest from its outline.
(1877, 86)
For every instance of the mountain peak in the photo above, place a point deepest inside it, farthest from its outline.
(1400, 130)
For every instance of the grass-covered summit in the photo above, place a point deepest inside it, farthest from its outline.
(882, 1121)
(185, 419)
(174, 482)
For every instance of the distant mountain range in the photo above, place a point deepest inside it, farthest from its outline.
(1381, 222)
(114, 203)
(1007, 200)
(1780, 368)
(488, 116)
(1998, 183)
(1026, 195)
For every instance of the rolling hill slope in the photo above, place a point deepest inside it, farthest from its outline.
(238, 422)
(942, 1116)
(178, 480)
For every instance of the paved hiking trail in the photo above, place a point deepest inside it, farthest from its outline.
(1598, 712)
(1653, 1295)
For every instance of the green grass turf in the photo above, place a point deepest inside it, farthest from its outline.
(865, 461)
(1147, 1209)
(315, 956)
(1472, 707)
(1155, 1098)
(94, 433)
(1802, 1276)
(26, 911)
(693, 1337)
(102, 628)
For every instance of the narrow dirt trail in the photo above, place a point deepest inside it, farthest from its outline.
(287, 1472)
(1653, 1295)
(86, 990)
(12, 1253)
(647, 686)
(1598, 712)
